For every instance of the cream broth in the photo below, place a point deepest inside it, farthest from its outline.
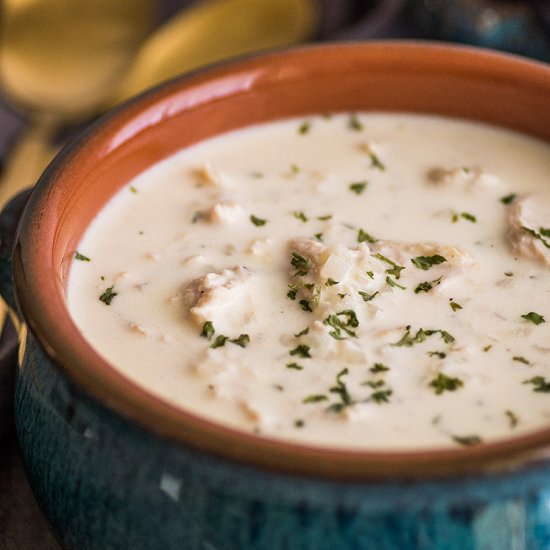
(360, 280)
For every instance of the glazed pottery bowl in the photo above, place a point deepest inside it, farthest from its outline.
(115, 467)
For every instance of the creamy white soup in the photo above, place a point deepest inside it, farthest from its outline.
(362, 280)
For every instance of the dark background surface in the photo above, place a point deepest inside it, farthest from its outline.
(22, 525)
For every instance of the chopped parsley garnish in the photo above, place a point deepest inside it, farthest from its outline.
(243, 340)
(508, 274)
(319, 237)
(407, 340)
(304, 128)
(197, 216)
(508, 198)
(392, 283)
(513, 419)
(455, 306)
(363, 236)
(440, 354)
(358, 187)
(442, 383)
(376, 162)
(294, 366)
(339, 325)
(294, 168)
(520, 359)
(381, 396)
(395, 269)
(468, 216)
(300, 263)
(108, 295)
(487, 347)
(133, 189)
(300, 216)
(207, 330)
(315, 398)
(325, 218)
(540, 384)
(257, 221)
(299, 423)
(467, 440)
(305, 305)
(426, 286)
(425, 262)
(292, 292)
(81, 257)
(354, 122)
(302, 333)
(366, 296)
(540, 235)
(342, 391)
(379, 367)
(301, 351)
(219, 341)
(370, 274)
(534, 318)
(331, 282)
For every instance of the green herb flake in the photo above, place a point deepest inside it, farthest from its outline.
(358, 187)
(133, 189)
(342, 391)
(294, 366)
(440, 354)
(407, 340)
(512, 418)
(315, 398)
(520, 359)
(381, 396)
(468, 216)
(81, 257)
(325, 218)
(331, 282)
(243, 340)
(319, 237)
(207, 330)
(342, 325)
(304, 128)
(426, 286)
(442, 383)
(508, 274)
(379, 367)
(292, 292)
(197, 216)
(467, 440)
(392, 283)
(305, 305)
(508, 199)
(300, 216)
(370, 274)
(540, 384)
(219, 341)
(455, 306)
(534, 318)
(294, 168)
(258, 222)
(425, 262)
(363, 236)
(540, 235)
(487, 347)
(395, 270)
(300, 263)
(354, 123)
(366, 296)
(375, 162)
(108, 295)
(299, 423)
(301, 351)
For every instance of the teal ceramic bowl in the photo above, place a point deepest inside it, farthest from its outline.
(113, 467)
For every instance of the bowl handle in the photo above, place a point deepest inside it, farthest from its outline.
(9, 220)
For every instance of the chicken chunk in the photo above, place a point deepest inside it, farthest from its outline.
(528, 232)
(222, 298)
(469, 177)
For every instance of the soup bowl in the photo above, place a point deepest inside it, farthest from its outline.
(113, 466)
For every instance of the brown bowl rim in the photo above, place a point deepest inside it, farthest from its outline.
(40, 292)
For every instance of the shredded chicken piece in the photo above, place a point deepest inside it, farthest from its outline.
(210, 175)
(527, 223)
(225, 213)
(470, 177)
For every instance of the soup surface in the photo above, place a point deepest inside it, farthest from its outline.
(363, 280)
